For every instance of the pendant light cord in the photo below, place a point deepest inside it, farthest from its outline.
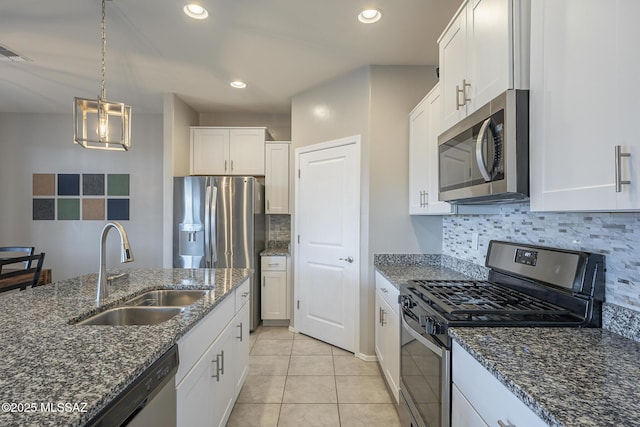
(104, 50)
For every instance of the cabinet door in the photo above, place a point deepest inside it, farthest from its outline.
(194, 395)
(489, 50)
(628, 101)
(391, 332)
(274, 295)
(453, 67)
(574, 121)
(276, 177)
(209, 151)
(224, 385)
(462, 413)
(246, 151)
(241, 353)
(380, 338)
(424, 128)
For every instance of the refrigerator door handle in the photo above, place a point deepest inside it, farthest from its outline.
(211, 193)
(213, 241)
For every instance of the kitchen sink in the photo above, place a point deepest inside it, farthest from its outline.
(167, 298)
(121, 316)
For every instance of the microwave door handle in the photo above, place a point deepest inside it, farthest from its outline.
(479, 144)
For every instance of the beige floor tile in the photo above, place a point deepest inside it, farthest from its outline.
(368, 415)
(310, 389)
(275, 333)
(252, 340)
(311, 365)
(254, 415)
(361, 389)
(351, 365)
(310, 347)
(264, 347)
(309, 415)
(268, 365)
(262, 389)
(336, 351)
(299, 336)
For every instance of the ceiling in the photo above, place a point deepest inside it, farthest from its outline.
(278, 47)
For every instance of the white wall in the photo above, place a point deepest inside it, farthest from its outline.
(177, 118)
(43, 143)
(278, 124)
(374, 102)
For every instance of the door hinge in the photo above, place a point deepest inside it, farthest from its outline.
(298, 173)
(298, 239)
(298, 305)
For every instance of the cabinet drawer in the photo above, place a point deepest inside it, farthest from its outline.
(242, 294)
(274, 263)
(388, 292)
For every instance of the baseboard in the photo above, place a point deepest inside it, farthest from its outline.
(367, 357)
(292, 329)
(283, 322)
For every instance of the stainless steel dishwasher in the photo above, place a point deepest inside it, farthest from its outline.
(149, 401)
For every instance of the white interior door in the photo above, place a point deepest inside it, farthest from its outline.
(327, 225)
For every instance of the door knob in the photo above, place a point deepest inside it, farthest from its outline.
(348, 259)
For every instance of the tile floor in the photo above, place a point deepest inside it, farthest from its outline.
(298, 381)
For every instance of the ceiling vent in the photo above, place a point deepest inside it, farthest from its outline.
(7, 55)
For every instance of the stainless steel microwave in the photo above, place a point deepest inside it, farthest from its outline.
(485, 157)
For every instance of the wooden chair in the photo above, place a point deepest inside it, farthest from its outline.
(14, 251)
(20, 278)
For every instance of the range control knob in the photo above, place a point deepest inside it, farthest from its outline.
(433, 327)
(405, 301)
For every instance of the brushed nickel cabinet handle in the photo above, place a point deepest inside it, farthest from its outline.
(464, 92)
(458, 92)
(618, 168)
(240, 326)
(225, 165)
(502, 424)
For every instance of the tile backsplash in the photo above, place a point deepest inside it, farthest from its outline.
(616, 235)
(279, 227)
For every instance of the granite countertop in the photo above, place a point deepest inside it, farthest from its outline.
(568, 377)
(399, 268)
(276, 248)
(45, 359)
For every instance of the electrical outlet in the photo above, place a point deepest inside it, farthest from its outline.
(474, 241)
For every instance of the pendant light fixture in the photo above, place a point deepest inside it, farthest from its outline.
(99, 123)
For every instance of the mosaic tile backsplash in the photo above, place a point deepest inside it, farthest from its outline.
(616, 235)
(74, 196)
(279, 227)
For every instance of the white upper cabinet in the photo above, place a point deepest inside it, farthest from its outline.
(277, 177)
(585, 95)
(227, 151)
(424, 128)
(483, 52)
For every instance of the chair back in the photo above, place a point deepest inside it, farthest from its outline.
(15, 251)
(20, 278)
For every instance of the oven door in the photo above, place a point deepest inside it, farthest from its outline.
(425, 375)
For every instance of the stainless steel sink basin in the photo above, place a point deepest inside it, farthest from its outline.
(167, 298)
(121, 316)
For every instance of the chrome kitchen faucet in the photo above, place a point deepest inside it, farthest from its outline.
(125, 256)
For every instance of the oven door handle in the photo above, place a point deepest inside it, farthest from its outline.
(438, 350)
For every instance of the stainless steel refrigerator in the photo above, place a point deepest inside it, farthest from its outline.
(219, 222)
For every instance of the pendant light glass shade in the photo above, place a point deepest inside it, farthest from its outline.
(98, 123)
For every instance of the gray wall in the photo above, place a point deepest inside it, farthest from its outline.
(373, 102)
(616, 235)
(278, 124)
(43, 143)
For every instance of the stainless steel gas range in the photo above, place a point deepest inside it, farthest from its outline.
(528, 286)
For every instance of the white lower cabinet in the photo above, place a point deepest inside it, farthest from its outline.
(479, 399)
(207, 389)
(275, 288)
(387, 333)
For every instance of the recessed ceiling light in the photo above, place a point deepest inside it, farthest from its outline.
(369, 16)
(195, 11)
(238, 84)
